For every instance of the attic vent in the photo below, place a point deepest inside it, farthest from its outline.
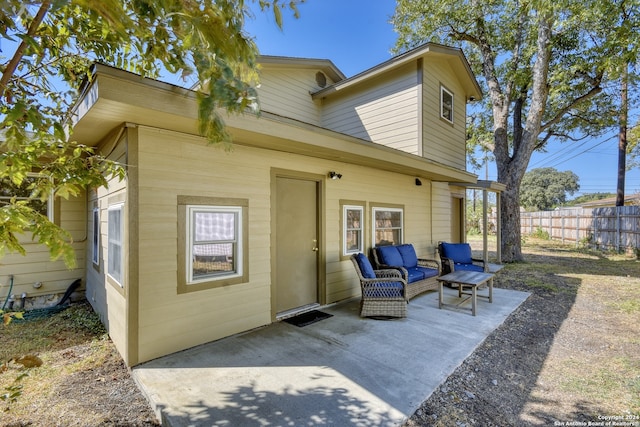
(321, 79)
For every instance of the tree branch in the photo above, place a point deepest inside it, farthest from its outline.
(560, 114)
(17, 56)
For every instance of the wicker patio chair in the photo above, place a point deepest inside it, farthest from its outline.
(384, 292)
(457, 256)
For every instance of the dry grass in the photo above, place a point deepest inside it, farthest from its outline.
(571, 352)
(569, 355)
(63, 370)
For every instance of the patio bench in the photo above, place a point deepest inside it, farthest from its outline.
(420, 273)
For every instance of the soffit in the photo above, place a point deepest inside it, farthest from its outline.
(115, 97)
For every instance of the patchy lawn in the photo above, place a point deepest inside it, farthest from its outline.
(569, 354)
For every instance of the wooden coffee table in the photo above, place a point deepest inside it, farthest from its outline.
(468, 279)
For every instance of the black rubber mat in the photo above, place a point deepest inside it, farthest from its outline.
(307, 318)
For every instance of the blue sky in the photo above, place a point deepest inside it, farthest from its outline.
(356, 35)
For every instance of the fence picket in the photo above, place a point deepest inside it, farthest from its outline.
(607, 228)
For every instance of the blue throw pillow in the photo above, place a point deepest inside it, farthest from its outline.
(390, 255)
(458, 252)
(365, 266)
(409, 257)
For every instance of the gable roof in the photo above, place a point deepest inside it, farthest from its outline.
(454, 56)
(324, 65)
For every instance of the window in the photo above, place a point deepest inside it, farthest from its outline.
(387, 226)
(215, 241)
(352, 229)
(446, 104)
(115, 235)
(213, 251)
(95, 254)
(8, 190)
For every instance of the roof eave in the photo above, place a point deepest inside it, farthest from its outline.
(473, 88)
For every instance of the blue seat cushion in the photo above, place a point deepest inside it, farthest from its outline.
(467, 267)
(384, 290)
(408, 254)
(415, 274)
(428, 272)
(365, 266)
(390, 255)
(458, 252)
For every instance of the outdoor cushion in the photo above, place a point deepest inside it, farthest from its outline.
(365, 266)
(428, 272)
(408, 254)
(389, 255)
(467, 267)
(458, 252)
(414, 274)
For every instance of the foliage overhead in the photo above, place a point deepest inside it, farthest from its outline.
(546, 188)
(589, 197)
(55, 43)
(550, 70)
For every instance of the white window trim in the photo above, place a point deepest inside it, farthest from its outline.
(120, 207)
(49, 199)
(95, 238)
(444, 90)
(373, 222)
(237, 210)
(345, 250)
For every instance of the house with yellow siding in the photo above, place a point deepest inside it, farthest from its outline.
(200, 242)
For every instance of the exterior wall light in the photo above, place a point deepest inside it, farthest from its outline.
(335, 175)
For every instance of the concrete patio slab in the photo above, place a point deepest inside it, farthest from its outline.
(343, 370)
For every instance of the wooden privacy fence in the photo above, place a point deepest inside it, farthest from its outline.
(616, 228)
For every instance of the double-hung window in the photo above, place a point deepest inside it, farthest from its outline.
(115, 250)
(446, 104)
(215, 242)
(388, 226)
(213, 251)
(24, 192)
(352, 229)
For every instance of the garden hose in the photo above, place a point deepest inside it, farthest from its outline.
(9, 294)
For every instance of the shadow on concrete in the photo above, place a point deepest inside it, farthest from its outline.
(344, 370)
(248, 407)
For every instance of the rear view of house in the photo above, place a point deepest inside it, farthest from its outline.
(199, 243)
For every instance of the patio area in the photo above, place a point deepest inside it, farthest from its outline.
(344, 370)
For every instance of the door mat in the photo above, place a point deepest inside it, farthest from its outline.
(307, 318)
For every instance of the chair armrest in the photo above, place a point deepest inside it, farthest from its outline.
(478, 260)
(429, 263)
(448, 262)
(403, 271)
(390, 273)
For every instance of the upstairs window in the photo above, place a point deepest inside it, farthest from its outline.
(446, 104)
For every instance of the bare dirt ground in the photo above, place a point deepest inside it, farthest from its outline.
(570, 355)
